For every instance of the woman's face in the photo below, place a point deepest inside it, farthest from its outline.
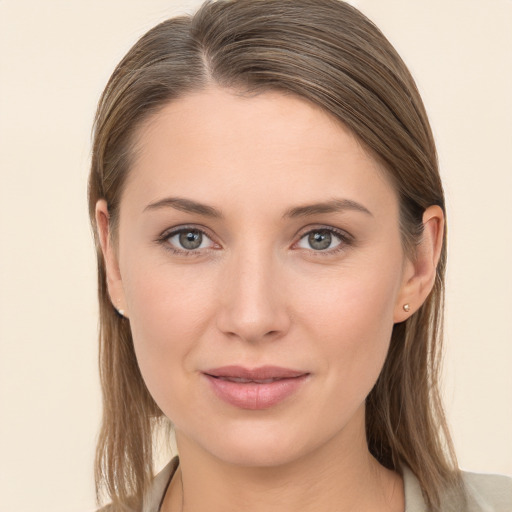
(261, 269)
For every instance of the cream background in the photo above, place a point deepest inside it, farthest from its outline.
(55, 57)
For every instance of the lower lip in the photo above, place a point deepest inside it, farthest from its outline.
(254, 396)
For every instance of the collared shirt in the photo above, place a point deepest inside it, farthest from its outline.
(484, 492)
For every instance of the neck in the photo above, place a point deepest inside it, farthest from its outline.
(337, 477)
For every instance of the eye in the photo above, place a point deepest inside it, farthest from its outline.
(187, 240)
(322, 240)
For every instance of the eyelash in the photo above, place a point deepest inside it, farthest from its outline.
(346, 240)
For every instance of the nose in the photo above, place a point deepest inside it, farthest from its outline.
(253, 305)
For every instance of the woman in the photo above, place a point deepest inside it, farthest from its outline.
(270, 226)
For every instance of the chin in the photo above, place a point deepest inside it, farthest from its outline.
(260, 445)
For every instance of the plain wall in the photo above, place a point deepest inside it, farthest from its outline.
(55, 58)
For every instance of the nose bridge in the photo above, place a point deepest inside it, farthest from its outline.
(252, 305)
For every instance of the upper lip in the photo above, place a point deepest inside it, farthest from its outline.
(259, 373)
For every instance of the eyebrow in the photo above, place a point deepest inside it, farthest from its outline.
(332, 206)
(185, 205)
(189, 206)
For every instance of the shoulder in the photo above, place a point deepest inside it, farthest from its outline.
(482, 493)
(487, 492)
(154, 496)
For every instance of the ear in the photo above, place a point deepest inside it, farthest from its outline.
(420, 271)
(114, 281)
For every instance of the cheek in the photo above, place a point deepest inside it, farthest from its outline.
(353, 300)
(169, 309)
(351, 317)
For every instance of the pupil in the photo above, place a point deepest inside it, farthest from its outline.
(191, 239)
(320, 240)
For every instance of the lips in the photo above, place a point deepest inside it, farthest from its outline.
(255, 388)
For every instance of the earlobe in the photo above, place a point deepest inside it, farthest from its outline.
(420, 272)
(114, 280)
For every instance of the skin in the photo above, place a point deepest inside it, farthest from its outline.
(258, 293)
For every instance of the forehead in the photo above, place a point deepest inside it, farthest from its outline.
(221, 145)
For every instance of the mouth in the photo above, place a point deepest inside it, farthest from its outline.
(256, 388)
(262, 373)
(246, 381)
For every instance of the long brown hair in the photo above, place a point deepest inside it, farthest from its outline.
(329, 53)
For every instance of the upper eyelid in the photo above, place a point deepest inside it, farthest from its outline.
(178, 229)
(345, 235)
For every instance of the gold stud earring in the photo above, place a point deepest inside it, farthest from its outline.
(407, 308)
